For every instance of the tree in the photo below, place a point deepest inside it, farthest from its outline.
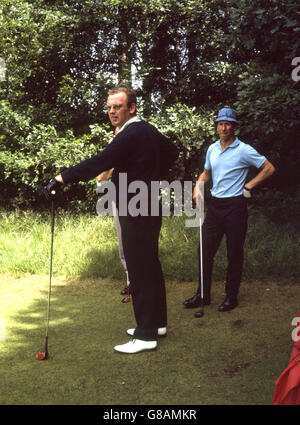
(266, 35)
(185, 59)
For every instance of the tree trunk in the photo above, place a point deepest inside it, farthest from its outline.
(124, 60)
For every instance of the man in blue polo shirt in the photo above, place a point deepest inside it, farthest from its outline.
(227, 164)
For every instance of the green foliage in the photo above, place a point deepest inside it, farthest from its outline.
(191, 130)
(185, 59)
(14, 125)
(267, 105)
(266, 36)
(266, 31)
(268, 109)
(63, 55)
(40, 153)
(43, 44)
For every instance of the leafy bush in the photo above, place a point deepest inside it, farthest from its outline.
(32, 155)
(192, 131)
(268, 110)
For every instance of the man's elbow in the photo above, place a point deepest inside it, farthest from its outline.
(272, 169)
(268, 169)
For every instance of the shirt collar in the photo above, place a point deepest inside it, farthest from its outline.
(132, 120)
(232, 145)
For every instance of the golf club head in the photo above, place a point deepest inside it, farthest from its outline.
(126, 299)
(199, 313)
(42, 355)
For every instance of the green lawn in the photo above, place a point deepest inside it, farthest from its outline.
(228, 358)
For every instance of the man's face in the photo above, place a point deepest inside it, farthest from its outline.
(118, 111)
(226, 130)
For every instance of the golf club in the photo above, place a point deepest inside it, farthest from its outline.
(43, 355)
(200, 205)
(126, 299)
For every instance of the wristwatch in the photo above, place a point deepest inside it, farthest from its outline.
(247, 192)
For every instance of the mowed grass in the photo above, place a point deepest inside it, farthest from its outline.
(224, 358)
(228, 358)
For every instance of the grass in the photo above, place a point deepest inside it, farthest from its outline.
(86, 246)
(232, 358)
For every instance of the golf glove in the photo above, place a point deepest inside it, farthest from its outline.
(247, 193)
(52, 189)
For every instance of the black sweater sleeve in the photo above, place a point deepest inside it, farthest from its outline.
(113, 154)
(140, 150)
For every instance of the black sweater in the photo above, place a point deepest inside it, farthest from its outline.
(139, 150)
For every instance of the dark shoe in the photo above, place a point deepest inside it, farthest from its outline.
(195, 301)
(228, 304)
(126, 290)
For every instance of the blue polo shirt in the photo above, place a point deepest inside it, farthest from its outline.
(229, 168)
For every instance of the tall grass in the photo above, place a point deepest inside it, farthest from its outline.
(87, 246)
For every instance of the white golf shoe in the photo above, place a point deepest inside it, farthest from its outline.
(136, 346)
(160, 332)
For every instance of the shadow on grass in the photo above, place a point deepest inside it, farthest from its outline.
(102, 264)
(231, 358)
(78, 370)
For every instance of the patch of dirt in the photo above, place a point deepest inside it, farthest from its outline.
(238, 323)
(236, 369)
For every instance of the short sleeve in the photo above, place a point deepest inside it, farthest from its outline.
(207, 164)
(252, 157)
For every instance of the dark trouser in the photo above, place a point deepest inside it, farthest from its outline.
(147, 286)
(227, 216)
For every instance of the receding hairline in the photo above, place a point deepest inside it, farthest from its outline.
(131, 95)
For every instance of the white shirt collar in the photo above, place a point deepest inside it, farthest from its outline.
(134, 119)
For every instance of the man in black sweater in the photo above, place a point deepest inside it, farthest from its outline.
(141, 153)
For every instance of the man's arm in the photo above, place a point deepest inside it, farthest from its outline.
(108, 173)
(204, 177)
(91, 167)
(105, 175)
(265, 172)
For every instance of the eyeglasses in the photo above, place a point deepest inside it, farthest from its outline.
(115, 107)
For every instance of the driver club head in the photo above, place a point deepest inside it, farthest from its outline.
(42, 355)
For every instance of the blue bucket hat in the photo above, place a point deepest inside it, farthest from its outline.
(226, 114)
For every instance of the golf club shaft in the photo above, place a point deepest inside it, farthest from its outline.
(51, 259)
(201, 260)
